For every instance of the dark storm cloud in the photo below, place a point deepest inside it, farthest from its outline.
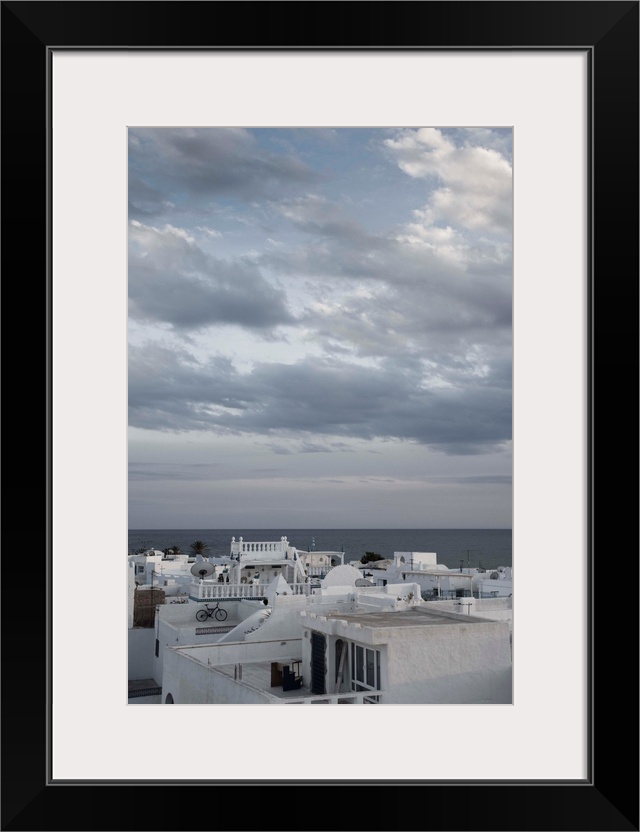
(315, 398)
(201, 162)
(172, 280)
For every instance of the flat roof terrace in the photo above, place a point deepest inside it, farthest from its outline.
(258, 675)
(413, 617)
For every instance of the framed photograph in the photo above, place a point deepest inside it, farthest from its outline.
(561, 80)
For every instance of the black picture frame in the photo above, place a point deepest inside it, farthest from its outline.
(608, 798)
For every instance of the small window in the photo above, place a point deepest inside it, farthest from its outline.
(157, 648)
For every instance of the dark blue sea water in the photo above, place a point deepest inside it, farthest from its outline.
(489, 548)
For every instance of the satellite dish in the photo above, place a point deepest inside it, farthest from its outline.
(202, 570)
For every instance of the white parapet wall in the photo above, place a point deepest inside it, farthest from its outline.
(190, 674)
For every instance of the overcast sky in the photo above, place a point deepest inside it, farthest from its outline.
(320, 328)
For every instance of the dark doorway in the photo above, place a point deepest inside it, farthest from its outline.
(318, 668)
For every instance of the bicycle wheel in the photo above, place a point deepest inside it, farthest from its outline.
(220, 614)
(202, 615)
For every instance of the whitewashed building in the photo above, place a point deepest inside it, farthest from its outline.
(438, 581)
(237, 581)
(288, 637)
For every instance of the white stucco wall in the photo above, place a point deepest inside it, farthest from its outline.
(176, 626)
(140, 657)
(415, 558)
(458, 664)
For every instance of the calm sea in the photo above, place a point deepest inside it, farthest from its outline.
(489, 548)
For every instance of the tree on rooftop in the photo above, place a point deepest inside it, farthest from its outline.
(369, 556)
(199, 547)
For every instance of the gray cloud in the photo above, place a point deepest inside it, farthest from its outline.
(397, 292)
(206, 162)
(315, 398)
(169, 390)
(172, 280)
(144, 199)
(294, 329)
(423, 324)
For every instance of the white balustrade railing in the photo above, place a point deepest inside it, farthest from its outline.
(217, 591)
(350, 698)
(300, 589)
(244, 547)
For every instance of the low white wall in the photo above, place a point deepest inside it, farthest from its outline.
(196, 682)
(243, 651)
(184, 615)
(189, 683)
(492, 609)
(140, 653)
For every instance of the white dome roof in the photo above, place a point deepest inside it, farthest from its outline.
(341, 576)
